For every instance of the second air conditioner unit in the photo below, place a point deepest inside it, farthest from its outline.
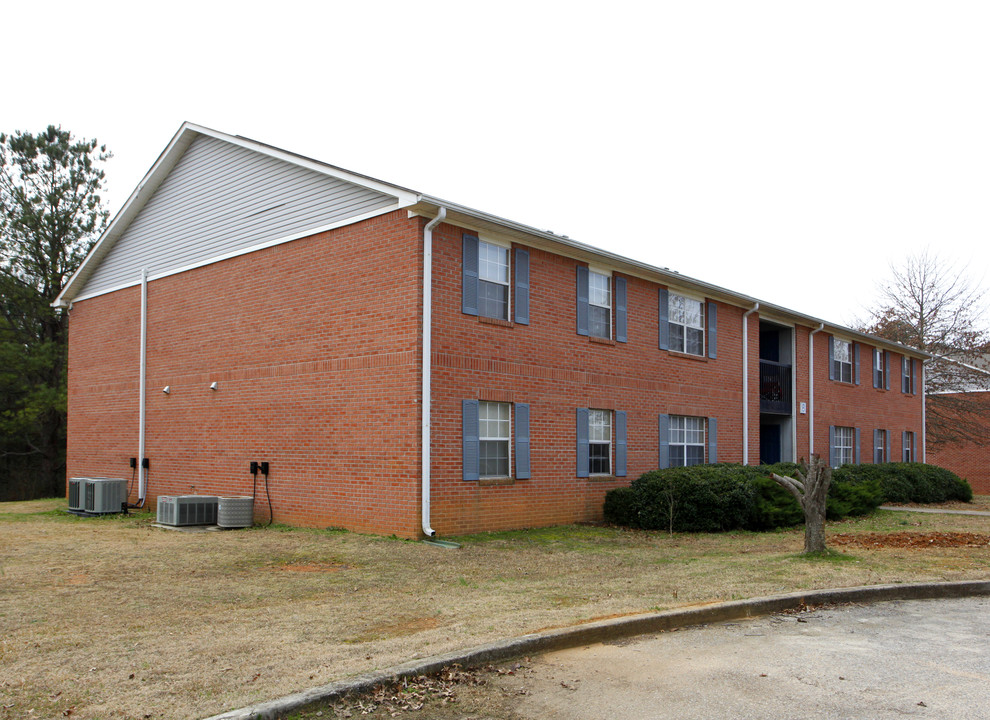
(104, 495)
(181, 510)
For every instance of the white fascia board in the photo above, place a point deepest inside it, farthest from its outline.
(244, 251)
(663, 276)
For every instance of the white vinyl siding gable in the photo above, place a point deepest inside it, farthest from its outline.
(221, 199)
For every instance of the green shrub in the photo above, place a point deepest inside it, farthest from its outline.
(620, 507)
(774, 507)
(909, 482)
(703, 498)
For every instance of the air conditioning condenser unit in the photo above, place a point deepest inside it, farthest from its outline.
(77, 492)
(180, 510)
(103, 495)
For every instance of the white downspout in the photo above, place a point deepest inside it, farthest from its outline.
(811, 390)
(142, 384)
(745, 384)
(924, 413)
(427, 369)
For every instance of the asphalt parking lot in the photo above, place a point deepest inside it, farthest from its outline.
(918, 658)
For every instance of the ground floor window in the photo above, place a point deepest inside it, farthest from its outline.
(908, 446)
(842, 445)
(493, 438)
(687, 441)
(600, 442)
(880, 446)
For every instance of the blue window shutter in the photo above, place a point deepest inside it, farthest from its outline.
(914, 375)
(620, 443)
(831, 358)
(712, 440)
(583, 464)
(522, 441)
(522, 286)
(886, 371)
(856, 360)
(712, 329)
(664, 444)
(664, 320)
(876, 372)
(856, 455)
(831, 445)
(582, 301)
(886, 455)
(469, 274)
(469, 435)
(620, 309)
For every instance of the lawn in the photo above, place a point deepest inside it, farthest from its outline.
(114, 618)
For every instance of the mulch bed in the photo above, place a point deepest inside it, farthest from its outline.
(911, 540)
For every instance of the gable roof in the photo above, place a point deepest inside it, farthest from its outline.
(133, 242)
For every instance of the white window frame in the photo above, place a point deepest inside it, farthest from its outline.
(679, 424)
(484, 264)
(907, 452)
(840, 364)
(907, 368)
(879, 358)
(483, 425)
(880, 449)
(608, 426)
(844, 454)
(672, 300)
(606, 305)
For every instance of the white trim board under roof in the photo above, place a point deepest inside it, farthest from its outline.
(418, 204)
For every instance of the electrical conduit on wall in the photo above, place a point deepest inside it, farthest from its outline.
(427, 375)
(142, 386)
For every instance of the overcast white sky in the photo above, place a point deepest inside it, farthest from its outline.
(787, 150)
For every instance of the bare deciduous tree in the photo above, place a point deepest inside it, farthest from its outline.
(932, 305)
(810, 488)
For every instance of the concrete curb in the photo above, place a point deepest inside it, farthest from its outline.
(602, 631)
(934, 511)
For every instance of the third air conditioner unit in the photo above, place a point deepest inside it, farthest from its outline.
(179, 510)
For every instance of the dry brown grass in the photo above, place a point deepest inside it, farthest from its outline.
(113, 618)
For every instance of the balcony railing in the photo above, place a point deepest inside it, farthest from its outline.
(775, 388)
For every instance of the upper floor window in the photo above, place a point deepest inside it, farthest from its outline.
(493, 280)
(687, 441)
(599, 305)
(687, 324)
(907, 375)
(881, 369)
(489, 282)
(842, 360)
(601, 300)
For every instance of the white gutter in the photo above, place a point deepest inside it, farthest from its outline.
(427, 369)
(745, 379)
(142, 384)
(811, 390)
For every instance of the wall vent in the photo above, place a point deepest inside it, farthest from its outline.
(104, 495)
(180, 510)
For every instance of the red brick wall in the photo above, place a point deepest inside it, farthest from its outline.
(969, 460)
(315, 347)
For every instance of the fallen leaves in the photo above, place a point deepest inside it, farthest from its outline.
(911, 540)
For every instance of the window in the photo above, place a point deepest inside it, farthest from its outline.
(842, 446)
(493, 439)
(687, 441)
(600, 433)
(599, 305)
(487, 275)
(493, 280)
(908, 443)
(842, 357)
(687, 325)
(600, 442)
(879, 446)
(907, 376)
(880, 369)
(487, 435)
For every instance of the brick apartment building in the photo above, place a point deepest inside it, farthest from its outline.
(248, 304)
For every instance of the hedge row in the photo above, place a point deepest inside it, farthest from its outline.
(711, 498)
